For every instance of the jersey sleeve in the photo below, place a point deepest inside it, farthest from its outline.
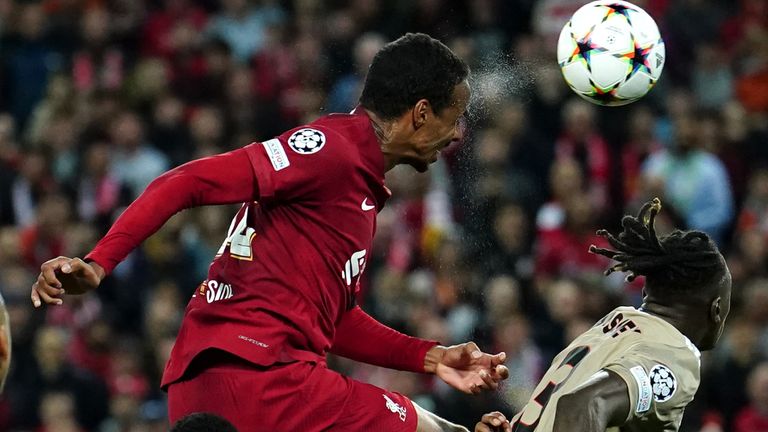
(307, 164)
(220, 179)
(662, 380)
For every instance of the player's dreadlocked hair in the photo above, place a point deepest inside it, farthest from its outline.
(681, 260)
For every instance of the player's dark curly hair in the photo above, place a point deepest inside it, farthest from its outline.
(680, 261)
(413, 67)
(203, 422)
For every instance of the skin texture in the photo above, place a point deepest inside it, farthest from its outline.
(417, 136)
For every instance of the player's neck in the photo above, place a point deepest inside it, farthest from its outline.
(679, 316)
(385, 133)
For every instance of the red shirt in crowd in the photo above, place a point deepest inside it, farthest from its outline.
(750, 420)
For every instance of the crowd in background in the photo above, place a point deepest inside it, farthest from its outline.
(98, 97)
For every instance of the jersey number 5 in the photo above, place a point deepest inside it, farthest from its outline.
(239, 238)
(571, 360)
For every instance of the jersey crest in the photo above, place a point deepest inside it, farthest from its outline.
(664, 383)
(306, 141)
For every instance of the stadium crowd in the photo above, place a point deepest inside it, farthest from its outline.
(98, 97)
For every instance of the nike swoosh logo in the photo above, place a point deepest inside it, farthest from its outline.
(365, 206)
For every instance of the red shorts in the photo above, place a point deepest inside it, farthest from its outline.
(290, 397)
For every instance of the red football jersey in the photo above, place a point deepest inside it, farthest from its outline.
(282, 286)
(288, 269)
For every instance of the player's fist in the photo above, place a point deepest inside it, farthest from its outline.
(64, 275)
(493, 422)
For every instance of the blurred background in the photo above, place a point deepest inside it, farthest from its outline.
(98, 97)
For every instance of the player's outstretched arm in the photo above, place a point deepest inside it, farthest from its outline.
(601, 402)
(227, 178)
(464, 366)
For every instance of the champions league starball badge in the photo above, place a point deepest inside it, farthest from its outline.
(306, 141)
(663, 382)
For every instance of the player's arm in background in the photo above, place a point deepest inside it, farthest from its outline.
(601, 402)
(5, 344)
(227, 178)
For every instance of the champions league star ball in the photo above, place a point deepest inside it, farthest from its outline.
(611, 52)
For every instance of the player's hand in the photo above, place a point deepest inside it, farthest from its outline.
(493, 422)
(64, 275)
(466, 368)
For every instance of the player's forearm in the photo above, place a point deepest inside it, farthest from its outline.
(362, 338)
(222, 179)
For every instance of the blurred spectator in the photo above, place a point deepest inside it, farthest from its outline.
(509, 249)
(28, 59)
(206, 128)
(564, 251)
(30, 186)
(135, 162)
(693, 181)
(524, 360)
(345, 93)
(725, 385)
(98, 65)
(45, 238)
(57, 413)
(754, 418)
(502, 299)
(641, 143)
(582, 142)
(173, 29)
(88, 394)
(243, 26)
(566, 180)
(712, 79)
(98, 192)
(754, 213)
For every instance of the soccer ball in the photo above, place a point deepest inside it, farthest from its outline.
(611, 52)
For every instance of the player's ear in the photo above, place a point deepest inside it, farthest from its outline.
(715, 311)
(420, 113)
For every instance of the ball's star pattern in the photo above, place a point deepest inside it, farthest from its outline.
(616, 8)
(583, 50)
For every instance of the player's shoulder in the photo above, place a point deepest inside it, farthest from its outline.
(334, 135)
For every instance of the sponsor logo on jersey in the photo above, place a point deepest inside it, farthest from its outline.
(306, 141)
(664, 383)
(354, 266)
(644, 389)
(276, 154)
(215, 291)
(395, 407)
(365, 206)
